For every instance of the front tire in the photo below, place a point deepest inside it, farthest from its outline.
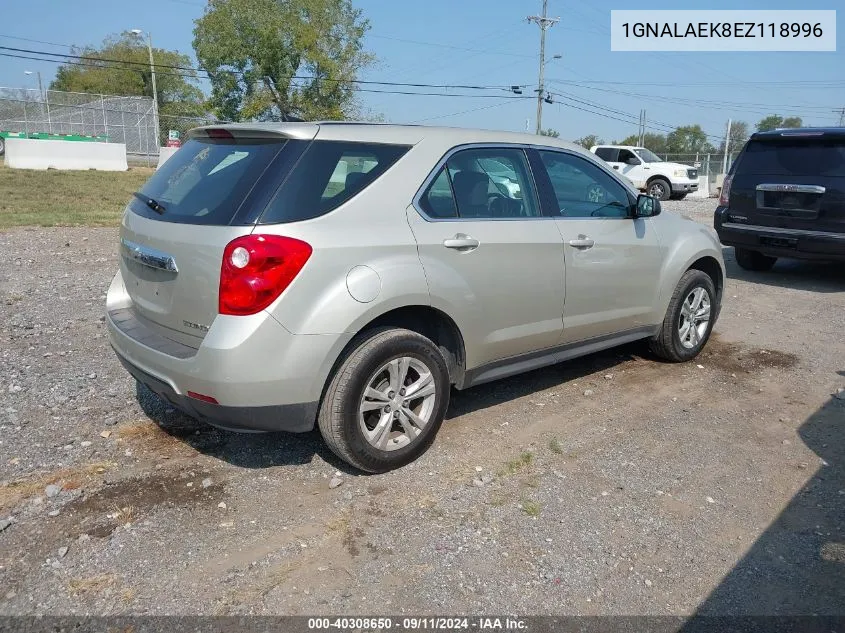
(386, 401)
(660, 188)
(754, 260)
(2, 145)
(689, 319)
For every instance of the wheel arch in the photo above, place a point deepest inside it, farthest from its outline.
(432, 323)
(690, 254)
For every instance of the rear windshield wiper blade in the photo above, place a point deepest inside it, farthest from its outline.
(150, 202)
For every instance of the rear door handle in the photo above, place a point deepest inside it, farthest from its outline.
(461, 242)
(582, 242)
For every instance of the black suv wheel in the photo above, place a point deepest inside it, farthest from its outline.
(754, 260)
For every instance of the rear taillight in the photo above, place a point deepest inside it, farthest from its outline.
(725, 195)
(256, 270)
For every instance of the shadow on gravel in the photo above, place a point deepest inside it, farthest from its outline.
(791, 273)
(501, 391)
(797, 566)
(246, 450)
(265, 450)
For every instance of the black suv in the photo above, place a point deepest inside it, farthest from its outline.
(784, 196)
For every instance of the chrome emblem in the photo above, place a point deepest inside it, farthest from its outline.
(195, 326)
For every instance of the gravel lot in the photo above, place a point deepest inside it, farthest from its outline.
(716, 485)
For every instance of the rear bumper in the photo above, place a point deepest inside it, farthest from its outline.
(263, 377)
(780, 242)
(294, 418)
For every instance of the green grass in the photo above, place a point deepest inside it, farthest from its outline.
(531, 508)
(66, 198)
(555, 447)
(515, 465)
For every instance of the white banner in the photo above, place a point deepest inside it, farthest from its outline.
(722, 30)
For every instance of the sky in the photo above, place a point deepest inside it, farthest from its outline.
(489, 42)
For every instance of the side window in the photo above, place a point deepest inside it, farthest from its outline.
(492, 183)
(625, 155)
(583, 190)
(608, 154)
(438, 201)
(328, 174)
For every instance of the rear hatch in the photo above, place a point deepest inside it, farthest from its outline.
(176, 227)
(793, 180)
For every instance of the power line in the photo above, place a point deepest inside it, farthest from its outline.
(26, 39)
(658, 126)
(446, 116)
(799, 83)
(450, 46)
(190, 69)
(397, 92)
(704, 103)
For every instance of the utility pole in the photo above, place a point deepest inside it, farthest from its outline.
(727, 146)
(842, 117)
(40, 85)
(155, 90)
(544, 23)
(641, 130)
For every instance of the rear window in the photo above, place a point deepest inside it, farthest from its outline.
(329, 174)
(794, 157)
(206, 181)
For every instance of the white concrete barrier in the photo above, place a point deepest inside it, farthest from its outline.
(164, 155)
(703, 190)
(25, 153)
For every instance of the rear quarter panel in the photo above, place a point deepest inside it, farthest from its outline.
(370, 230)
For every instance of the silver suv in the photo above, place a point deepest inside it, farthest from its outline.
(274, 276)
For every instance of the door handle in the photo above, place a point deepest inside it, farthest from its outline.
(616, 167)
(582, 242)
(461, 242)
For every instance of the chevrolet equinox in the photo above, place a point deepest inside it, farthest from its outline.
(275, 276)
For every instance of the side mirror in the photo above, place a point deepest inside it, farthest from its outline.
(647, 206)
(632, 161)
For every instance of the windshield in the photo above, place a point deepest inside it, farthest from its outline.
(648, 156)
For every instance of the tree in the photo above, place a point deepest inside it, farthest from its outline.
(269, 59)
(655, 142)
(739, 134)
(774, 121)
(589, 141)
(688, 139)
(121, 66)
(550, 132)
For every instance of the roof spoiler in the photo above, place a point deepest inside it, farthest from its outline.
(299, 130)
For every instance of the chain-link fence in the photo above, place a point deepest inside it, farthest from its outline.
(183, 124)
(128, 120)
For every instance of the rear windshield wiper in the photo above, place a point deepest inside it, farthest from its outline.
(150, 202)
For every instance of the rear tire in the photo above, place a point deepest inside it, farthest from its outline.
(2, 146)
(659, 188)
(693, 301)
(366, 426)
(754, 260)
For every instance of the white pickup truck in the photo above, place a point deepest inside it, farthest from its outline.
(649, 172)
